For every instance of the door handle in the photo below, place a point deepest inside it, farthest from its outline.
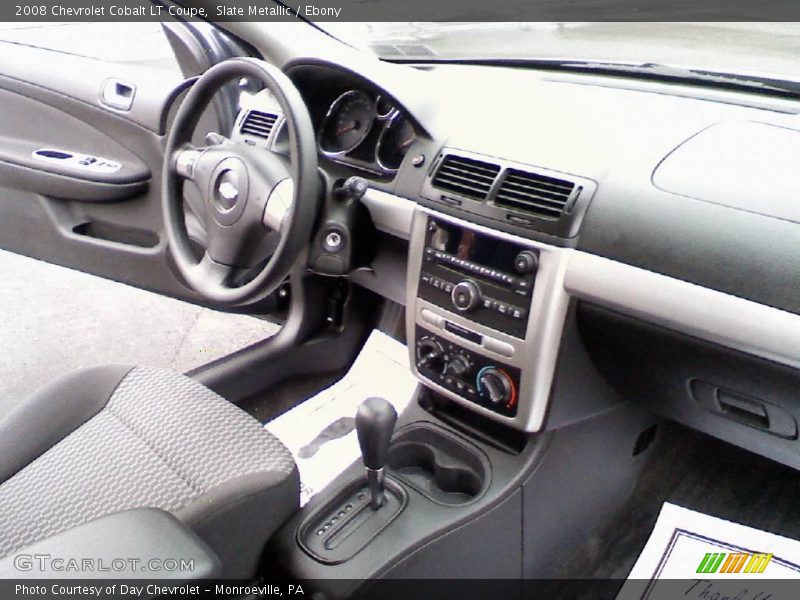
(117, 94)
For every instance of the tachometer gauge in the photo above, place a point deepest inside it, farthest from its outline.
(395, 140)
(346, 123)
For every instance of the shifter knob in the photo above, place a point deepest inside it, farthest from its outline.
(375, 421)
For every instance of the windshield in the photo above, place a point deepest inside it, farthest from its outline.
(768, 49)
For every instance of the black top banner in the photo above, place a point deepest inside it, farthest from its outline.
(401, 10)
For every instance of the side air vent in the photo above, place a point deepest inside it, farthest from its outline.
(539, 195)
(258, 123)
(465, 176)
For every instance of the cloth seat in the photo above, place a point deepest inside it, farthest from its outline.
(112, 438)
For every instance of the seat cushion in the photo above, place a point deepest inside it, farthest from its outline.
(161, 440)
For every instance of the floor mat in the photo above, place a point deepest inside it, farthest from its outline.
(320, 432)
(701, 473)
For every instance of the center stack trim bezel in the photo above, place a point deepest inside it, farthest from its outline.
(535, 355)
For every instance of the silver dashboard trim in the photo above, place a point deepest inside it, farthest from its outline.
(390, 214)
(708, 314)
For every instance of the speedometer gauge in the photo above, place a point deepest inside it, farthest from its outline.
(395, 140)
(346, 123)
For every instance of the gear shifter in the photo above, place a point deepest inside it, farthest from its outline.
(375, 421)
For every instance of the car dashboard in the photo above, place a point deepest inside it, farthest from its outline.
(523, 210)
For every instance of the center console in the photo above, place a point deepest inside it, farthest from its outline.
(484, 317)
(461, 488)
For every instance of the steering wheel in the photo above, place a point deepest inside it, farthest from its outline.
(259, 206)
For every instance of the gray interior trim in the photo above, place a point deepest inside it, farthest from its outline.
(740, 164)
(55, 72)
(707, 314)
(67, 187)
(143, 534)
(390, 214)
(236, 517)
(54, 412)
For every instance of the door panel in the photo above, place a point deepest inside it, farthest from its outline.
(107, 220)
(39, 153)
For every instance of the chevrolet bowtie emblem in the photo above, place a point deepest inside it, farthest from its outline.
(228, 191)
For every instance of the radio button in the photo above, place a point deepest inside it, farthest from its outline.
(498, 347)
(432, 318)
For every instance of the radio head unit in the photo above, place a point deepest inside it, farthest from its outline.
(484, 278)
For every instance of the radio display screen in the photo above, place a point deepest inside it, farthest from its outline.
(472, 246)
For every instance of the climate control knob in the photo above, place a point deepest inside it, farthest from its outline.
(466, 295)
(459, 365)
(496, 385)
(430, 355)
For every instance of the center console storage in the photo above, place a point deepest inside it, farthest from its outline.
(439, 465)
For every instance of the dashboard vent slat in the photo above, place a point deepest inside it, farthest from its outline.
(465, 176)
(533, 193)
(258, 123)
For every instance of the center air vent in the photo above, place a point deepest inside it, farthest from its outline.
(258, 123)
(466, 176)
(532, 193)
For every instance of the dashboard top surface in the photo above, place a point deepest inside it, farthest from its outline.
(617, 134)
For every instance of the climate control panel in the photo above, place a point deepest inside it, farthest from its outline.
(472, 376)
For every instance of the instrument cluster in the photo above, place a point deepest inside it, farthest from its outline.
(366, 130)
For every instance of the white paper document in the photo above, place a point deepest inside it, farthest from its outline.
(320, 432)
(691, 555)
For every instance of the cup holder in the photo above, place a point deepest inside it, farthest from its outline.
(438, 465)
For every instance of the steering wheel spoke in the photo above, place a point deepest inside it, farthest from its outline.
(279, 205)
(210, 272)
(185, 160)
